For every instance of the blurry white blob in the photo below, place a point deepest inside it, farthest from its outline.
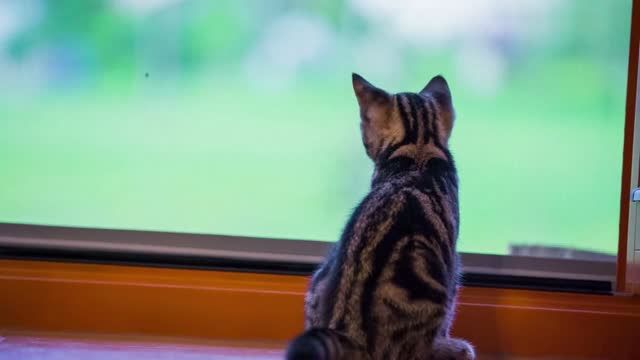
(291, 41)
(16, 15)
(143, 7)
(482, 69)
(434, 23)
(25, 74)
(379, 58)
(480, 32)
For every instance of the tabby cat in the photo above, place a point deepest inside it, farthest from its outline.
(387, 289)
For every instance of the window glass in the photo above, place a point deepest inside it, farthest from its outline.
(238, 118)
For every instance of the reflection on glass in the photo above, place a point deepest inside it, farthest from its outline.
(237, 117)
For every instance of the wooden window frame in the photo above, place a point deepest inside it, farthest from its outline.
(627, 275)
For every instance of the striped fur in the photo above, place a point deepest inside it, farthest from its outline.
(387, 290)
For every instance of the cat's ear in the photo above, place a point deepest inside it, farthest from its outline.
(439, 90)
(376, 123)
(367, 94)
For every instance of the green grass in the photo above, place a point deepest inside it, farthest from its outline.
(535, 168)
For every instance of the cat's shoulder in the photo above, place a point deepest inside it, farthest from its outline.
(389, 195)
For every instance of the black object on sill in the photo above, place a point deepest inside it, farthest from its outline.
(556, 252)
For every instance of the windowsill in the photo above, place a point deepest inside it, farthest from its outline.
(108, 299)
(296, 257)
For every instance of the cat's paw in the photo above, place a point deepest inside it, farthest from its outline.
(466, 352)
(452, 349)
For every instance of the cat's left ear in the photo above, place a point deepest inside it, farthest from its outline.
(375, 107)
(368, 95)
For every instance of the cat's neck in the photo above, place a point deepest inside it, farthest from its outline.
(406, 169)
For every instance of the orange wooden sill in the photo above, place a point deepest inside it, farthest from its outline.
(108, 299)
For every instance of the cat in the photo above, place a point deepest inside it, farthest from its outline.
(387, 289)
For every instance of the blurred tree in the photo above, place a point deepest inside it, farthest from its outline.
(218, 32)
(102, 37)
(596, 29)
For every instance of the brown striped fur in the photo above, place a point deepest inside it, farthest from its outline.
(387, 290)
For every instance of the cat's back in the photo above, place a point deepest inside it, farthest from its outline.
(416, 203)
(408, 206)
(372, 277)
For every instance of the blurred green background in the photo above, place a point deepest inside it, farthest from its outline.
(237, 117)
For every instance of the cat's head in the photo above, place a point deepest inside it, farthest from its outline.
(411, 125)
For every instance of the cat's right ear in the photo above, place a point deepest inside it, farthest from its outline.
(368, 95)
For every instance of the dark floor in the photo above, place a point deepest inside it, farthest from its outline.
(65, 347)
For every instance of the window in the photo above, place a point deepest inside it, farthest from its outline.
(232, 118)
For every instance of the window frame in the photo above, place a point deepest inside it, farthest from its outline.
(301, 256)
(281, 256)
(627, 274)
